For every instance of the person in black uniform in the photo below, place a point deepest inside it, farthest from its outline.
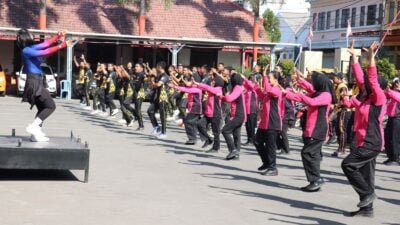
(159, 101)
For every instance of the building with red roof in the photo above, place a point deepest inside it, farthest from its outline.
(203, 19)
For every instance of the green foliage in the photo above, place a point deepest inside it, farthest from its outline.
(386, 68)
(271, 26)
(263, 60)
(287, 66)
(246, 72)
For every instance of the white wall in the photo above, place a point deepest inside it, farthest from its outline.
(6, 54)
(311, 60)
(229, 58)
(184, 57)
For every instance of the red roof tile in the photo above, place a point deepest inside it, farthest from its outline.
(210, 19)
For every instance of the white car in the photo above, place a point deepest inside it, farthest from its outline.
(50, 78)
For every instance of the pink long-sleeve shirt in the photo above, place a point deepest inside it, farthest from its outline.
(236, 98)
(194, 98)
(369, 112)
(393, 108)
(213, 106)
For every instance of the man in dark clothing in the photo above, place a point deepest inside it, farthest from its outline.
(159, 101)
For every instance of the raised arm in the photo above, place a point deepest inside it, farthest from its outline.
(212, 90)
(393, 95)
(248, 84)
(350, 102)
(358, 73)
(48, 51)
(190, 90)
(307, 86)
(323, 99)
(378, 95)
(293, 96)
(48, 42)
(236, 92)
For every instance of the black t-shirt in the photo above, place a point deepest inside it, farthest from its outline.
(101, 76)
(196, 77)
(139, 81)
(157, 91)
(227, 86)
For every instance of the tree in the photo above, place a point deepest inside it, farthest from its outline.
(271, 25)
(287, 66)
(386, 68)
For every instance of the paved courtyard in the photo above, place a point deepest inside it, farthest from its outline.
(137, 179)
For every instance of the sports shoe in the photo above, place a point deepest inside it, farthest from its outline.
(162, 136)
(94, 112)
(35, 130)
(170, 118)
(139, 128)
(130, 124)
(233, 155)
(122, 121)
(176, 113)
(156, 131)
(36, 138)
(114, 112)
(104, 114)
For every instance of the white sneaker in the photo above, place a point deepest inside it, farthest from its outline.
(156, 130)
(36, 138)
(114, 112)
(35, 130)
(162, 136)
(94, 112)
(170, 118)
(176, 113)
(122, 121)
(87, 108)
(130, 124)
(178, 122)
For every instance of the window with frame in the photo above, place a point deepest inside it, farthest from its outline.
(362, 16)
(353, 17)
(392, 10)
(321, 21)
(345, 17)
(371, 15)
(328, 20)
(398, 9)
(337, 18)
(380, 18)
(314, 25)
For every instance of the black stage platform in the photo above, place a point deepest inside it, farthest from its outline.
(60, 153)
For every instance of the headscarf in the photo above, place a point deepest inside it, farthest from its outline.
(322, 83)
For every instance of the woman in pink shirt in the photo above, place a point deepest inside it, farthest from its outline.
(231, 130)
(271, 121)
(359, 165)
(212, 113)
(318, 100)
(392, 129)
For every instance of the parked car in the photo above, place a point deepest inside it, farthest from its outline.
(2, 81)
(50, 78)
